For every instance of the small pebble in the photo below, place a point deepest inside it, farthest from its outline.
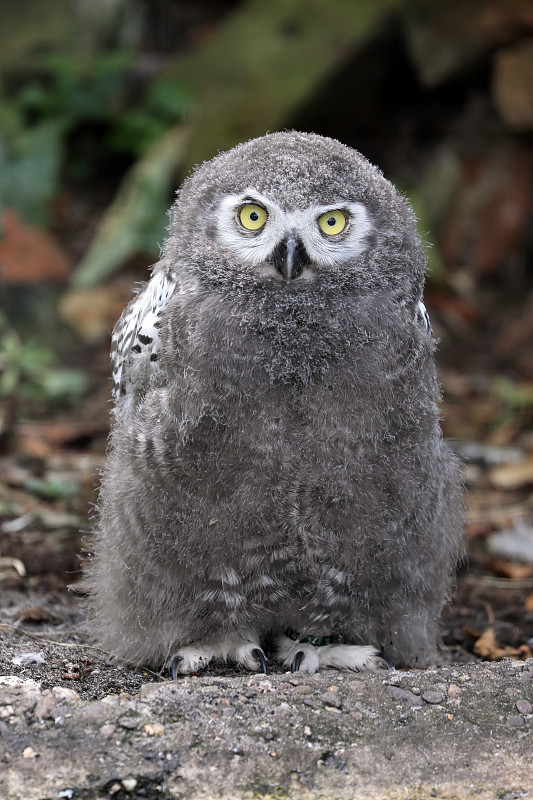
(129, 784)
(331, 699)
(127, 722)
(307, 730)
(43, 707)
(433, 698)
(107, 730)
(29, 752)
(416, 690)
(302, 689)
(454, 691)
(515, 721)
(404, 696)
(154, 729)
(62, 693)
(524, 707)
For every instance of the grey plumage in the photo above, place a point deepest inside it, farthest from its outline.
(276, 460)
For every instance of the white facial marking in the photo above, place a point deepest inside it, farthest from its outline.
(256, 247)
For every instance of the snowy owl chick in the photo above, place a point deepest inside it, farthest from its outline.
(276, 469)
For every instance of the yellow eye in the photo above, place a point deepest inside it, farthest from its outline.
(252, 217)
(332, 222)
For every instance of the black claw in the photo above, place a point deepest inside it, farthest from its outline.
(260, 656)
(386, 660)
(174, 666)
(298, 658)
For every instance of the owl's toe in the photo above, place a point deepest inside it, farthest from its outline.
(192, 658)
(302, 658)
(248, 655)
(259, 656)
(352, 657)
(298, 657)
(237, 648)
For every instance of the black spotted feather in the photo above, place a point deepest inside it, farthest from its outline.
(136, 335)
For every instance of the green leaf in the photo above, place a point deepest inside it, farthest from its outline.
(64, 384)
(51, 490)
(30, 170)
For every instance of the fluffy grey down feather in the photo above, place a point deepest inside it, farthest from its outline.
(276, 460)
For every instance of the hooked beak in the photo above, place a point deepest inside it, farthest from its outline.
(290, 257)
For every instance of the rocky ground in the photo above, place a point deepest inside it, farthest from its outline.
(74, 726)
(457, 731)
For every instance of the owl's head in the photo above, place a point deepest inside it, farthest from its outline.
(290, 211)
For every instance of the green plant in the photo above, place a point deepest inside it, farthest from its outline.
(28, 373)
(103, 98)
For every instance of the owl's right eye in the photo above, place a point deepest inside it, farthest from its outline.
(252, 217)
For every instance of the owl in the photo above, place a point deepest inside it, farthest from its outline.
(277, 483)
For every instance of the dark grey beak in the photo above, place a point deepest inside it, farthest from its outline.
(290, 257)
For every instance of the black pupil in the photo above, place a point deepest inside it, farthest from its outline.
(254, 216)
(331, 221)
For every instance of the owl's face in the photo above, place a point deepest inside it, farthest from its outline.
(293, 212)
(294, 244)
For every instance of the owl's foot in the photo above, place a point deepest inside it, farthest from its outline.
(302, 657)
(238, 648)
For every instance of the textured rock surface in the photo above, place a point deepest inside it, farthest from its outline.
(380, 735)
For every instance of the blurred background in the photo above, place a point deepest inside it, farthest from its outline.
(105, 105)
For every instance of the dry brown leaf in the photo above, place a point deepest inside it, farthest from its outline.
(488, 648)
(513, 476)
(34, 614)
(39, 439)
(93, 312)
(514, 570)
(28, 254)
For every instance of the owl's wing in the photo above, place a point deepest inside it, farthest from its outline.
(136, 333)
(422, 317)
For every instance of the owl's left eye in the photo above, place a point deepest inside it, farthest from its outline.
(252, 217)
(332, 222)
